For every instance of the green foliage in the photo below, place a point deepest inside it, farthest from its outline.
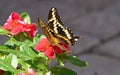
(72, 59)
(26, 17)
(75, 61)
(12, 42)
(3, 31)
(62, 71)
(8, 66)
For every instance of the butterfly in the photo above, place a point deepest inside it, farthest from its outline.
(55, 30)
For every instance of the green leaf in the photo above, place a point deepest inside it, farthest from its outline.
(72, 59)
(29, 43)
(26, 17)
(25, 53)
(61, 59)
(6, 67)
(22, 55)
(62, 71)
(12, 41)
(76, 61)
(41, 54)
(4, 50)
(11, 59)
(3, 31)
(24, 64)
(28, 50)
(43, 63)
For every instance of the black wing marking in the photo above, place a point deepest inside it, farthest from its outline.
(55, 23)
(54, 18)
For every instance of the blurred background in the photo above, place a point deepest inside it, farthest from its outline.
(97, 20)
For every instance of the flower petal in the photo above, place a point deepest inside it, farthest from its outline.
(16, 29)
(30, 72)
(33, 30)
(57, 50)
(22, 74)
(50, 53)
(42, 45)
(67, 48)
(13, 23)
(14, 16)
(26, 28)
(7, 26)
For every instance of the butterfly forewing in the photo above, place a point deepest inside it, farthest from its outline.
(62, 32)
(46, 30)
(54, 18)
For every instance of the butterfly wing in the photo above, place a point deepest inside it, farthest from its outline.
(63, 33)
(44, 28)
(50, 34)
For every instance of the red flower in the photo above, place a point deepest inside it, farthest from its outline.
(50, 50)
(30, 72)
(15, 24)
(2, 72)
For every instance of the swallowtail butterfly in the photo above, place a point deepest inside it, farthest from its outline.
(55, 30)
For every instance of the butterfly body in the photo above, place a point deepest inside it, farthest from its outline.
(55, 30)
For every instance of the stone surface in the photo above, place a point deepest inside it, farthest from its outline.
(99, 24)
(2, 39)
(68, 9)
(113, 8)
(98, 65)
(37, 8)
(84, 44)
(110, 48)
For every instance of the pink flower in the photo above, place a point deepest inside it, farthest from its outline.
(15, 24)
(30, 72)
(50, 50)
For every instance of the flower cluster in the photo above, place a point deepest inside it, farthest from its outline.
(15, 24)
